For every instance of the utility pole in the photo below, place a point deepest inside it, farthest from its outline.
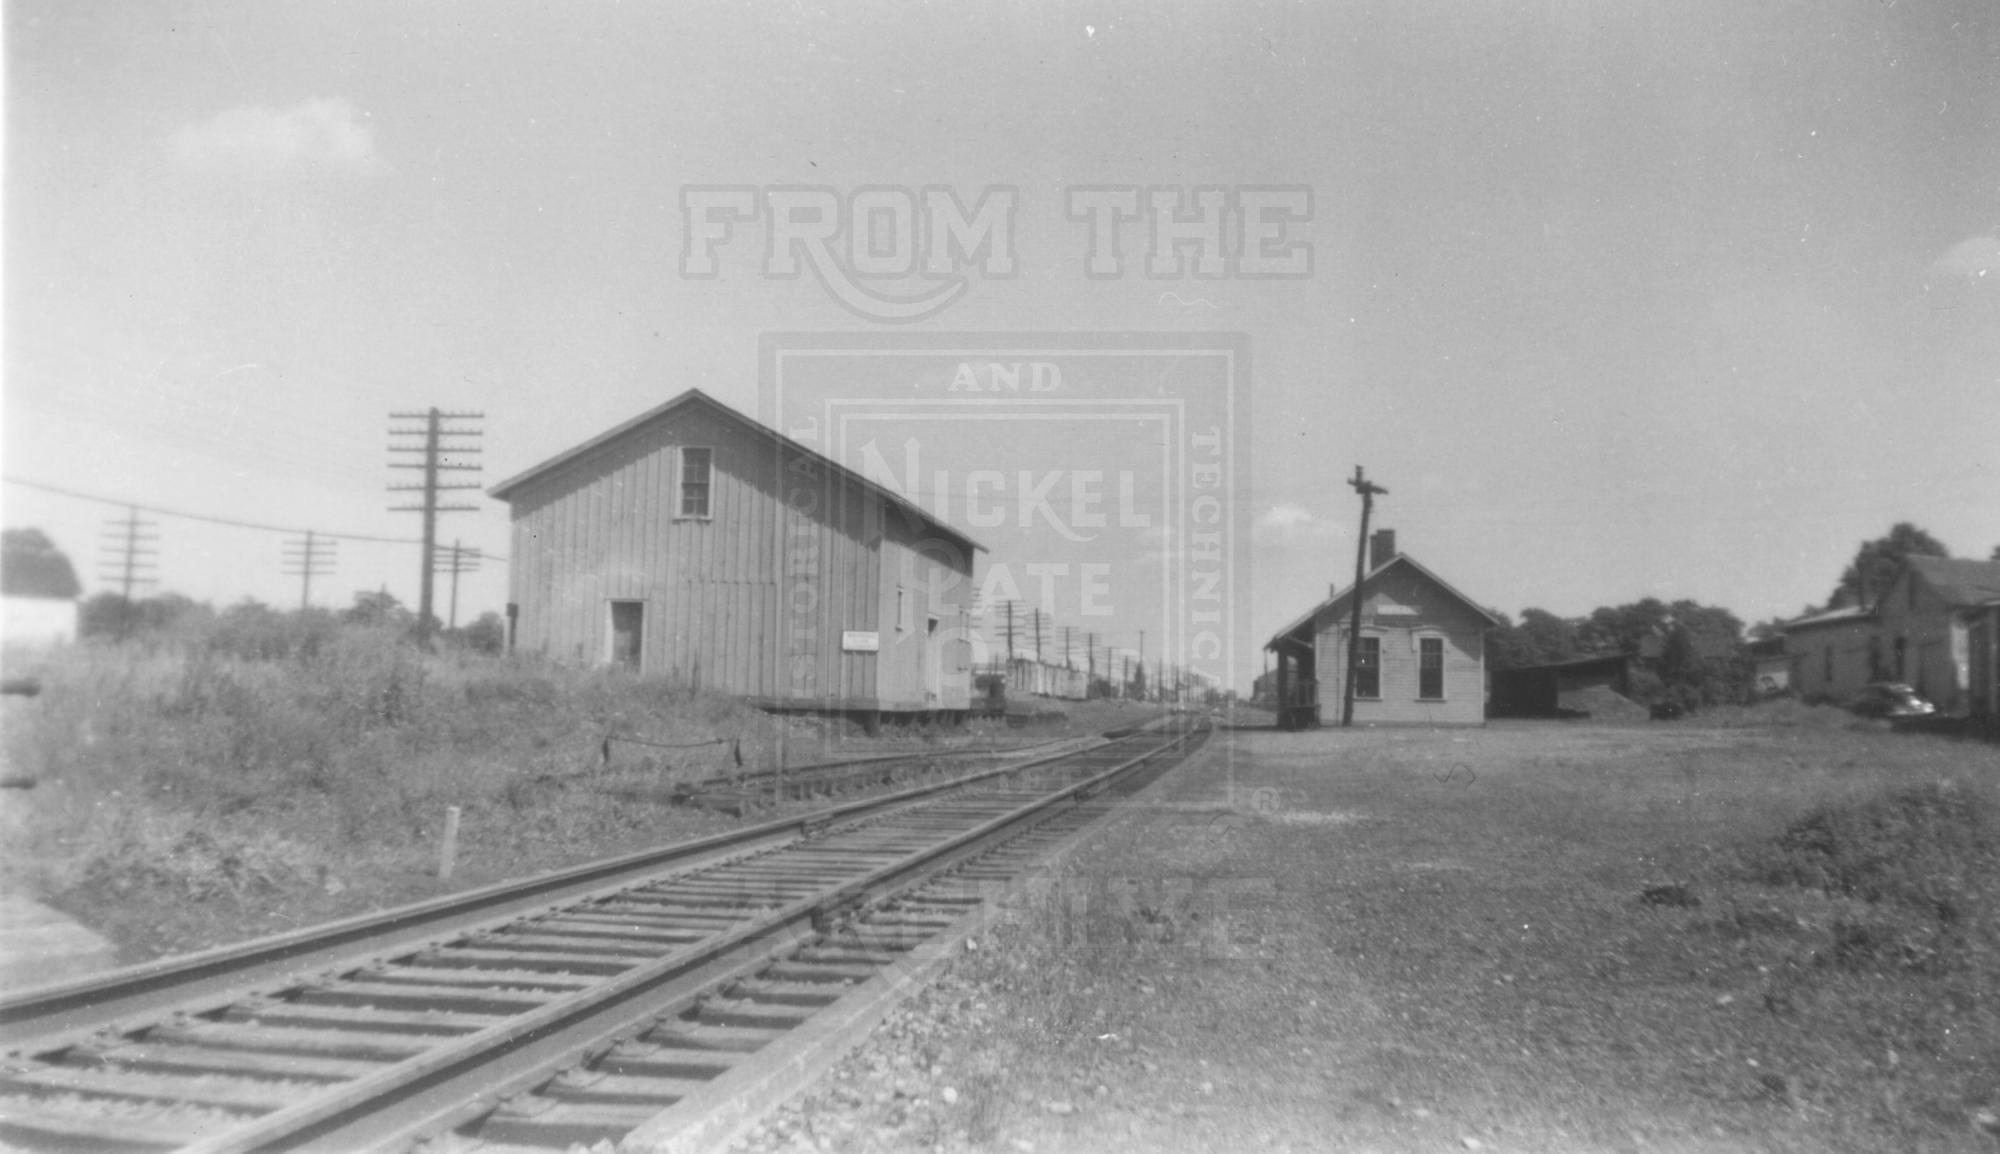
(307, 558)
(1038, 635)
(129, 539)
(128, 542)
(1142, 662)
(1369, 490)
(1007, 663)
(1090, 663)
(462, 560)
(437, 453)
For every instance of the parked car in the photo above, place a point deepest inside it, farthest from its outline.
(1891, 699)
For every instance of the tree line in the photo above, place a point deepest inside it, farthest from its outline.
(1693, 654)
(32, 566)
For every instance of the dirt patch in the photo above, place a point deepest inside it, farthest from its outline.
(1471, 968)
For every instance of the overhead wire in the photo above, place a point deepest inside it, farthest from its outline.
(163, 511)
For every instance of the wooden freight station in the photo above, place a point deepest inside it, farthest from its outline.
(695, 543)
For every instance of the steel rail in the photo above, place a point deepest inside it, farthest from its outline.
(687, 791)
(774, 778)
(318, 1119)
(98, 1001)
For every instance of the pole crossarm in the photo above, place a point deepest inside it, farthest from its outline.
(437, 445)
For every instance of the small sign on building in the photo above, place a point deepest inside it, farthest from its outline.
(860, 641)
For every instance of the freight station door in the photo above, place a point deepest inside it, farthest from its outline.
(628, 628)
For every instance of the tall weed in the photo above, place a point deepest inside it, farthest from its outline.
(229, 754)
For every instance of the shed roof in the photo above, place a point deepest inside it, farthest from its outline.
(1337, 599)
(1959, 582)
(1845, 615)
(1572, 664)
(696, 396)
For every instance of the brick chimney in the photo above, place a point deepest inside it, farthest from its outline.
(1381, 548)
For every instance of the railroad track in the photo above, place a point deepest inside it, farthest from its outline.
(748, 790)
(631, 995)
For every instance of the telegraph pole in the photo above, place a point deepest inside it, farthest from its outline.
(463, 560)
(128, 541)
(1007, 663)
(438, 443)
(1090, 663)
(307, 558)
(1369, 490)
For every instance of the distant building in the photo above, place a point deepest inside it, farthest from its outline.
(1982, 634)
(1833, 655)
(38, 591)
(694, 543)
(1770, 665)
(1264, 688)
(1594, 687)
(1937, 632)
(37, 622)
(1422, 650)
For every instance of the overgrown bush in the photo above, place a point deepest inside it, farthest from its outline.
(1914, 875)
(335, 740)
(1914, 846)
(174, 859)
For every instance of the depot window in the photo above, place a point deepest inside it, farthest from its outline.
(1368, 668)
(697, 471)
(1430, 668)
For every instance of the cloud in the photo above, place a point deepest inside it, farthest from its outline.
(1283, 526)
(1973, 256)
(325, 134)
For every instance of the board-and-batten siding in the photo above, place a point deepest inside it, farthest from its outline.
(1434, 614)
(604, 528)
(912, 661)
(750, 601)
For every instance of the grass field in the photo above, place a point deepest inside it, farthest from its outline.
(1779, 934)
(1776, 929)
(190, 792)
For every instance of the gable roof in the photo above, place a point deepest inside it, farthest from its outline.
(697, 397)
(1959, 583)
(1340, 597)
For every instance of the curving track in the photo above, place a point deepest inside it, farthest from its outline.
(578, 1007)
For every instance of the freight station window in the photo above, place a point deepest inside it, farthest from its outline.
(1430, 668)
(1368, 671)
(696, 472)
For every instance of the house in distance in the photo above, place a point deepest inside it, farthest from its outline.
(694, 543)
(1935, 627)
(1940, 622)
(1422, 650)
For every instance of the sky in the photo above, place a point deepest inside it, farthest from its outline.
(1616, 300)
